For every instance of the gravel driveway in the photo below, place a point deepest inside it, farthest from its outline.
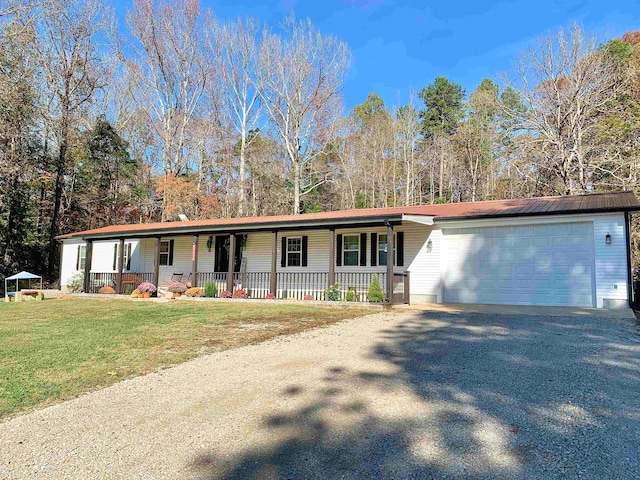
(402, 395)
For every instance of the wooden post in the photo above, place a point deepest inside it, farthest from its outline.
(194, 261)
(390, 259)
(232, 261)
(156, 262)
(407, 292)
(332, 256)
(120, 266)
(273, 278)
(87, 266)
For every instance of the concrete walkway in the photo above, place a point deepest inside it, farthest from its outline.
(395, 395)
(521, 310)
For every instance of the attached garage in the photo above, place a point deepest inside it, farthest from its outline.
(548, 264)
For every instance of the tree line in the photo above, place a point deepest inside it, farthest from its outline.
(175, 111)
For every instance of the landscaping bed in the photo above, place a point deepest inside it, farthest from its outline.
(58, 349)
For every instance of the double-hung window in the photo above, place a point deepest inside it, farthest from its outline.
(350, 250)
(383, 246)
(126, 257)
(294, 251)
(164, 252)
(82, 256)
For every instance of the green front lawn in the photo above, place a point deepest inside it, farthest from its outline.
(57, 349)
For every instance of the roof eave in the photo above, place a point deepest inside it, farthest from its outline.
(540, 214)
(236, 228)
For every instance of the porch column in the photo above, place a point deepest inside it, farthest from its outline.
(273, 277)
(120, 266)
(232, 261)
(156, 262)
(87, 266)
(332, 256)
(390, 260)
(194, 261)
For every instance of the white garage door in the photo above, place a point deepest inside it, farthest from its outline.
(521, 265)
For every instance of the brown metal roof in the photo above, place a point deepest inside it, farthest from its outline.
(619, 201)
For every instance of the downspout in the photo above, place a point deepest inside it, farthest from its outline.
(627, 232)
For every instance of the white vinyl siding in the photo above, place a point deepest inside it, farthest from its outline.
(611, 260)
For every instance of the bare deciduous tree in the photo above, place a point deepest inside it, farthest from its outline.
(301, 79)
(565, 82)
(235, 49)
(166, 59)
(68, 54)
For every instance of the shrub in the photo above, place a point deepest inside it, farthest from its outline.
(194, 292)
(240, 293)
(270, 296)
(177, 287)
(375, 294)
(128, 289)
(333, 293)
(107, 290)
(308, 296)
(226, 294)
(210, 290)
(146, 287)
(351, 295)
(135, 293)
(76, 283)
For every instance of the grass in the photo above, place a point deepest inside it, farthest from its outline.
(57, 349)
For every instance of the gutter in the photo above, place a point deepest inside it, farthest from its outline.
(346, 222)
(538, 214)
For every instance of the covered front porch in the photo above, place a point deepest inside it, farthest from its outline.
(280, 264)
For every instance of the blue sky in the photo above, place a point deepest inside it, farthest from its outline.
(403, 44)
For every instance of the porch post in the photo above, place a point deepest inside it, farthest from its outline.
(390, 261)
(273, 276)
(120, 266)
(156, 262)
(194, 261)
(87, 266)
(332, 256)
(232, 261)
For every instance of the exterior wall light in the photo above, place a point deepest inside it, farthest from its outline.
(607, 239)
(429, 246)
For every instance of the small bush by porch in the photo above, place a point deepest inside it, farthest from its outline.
(58, 349)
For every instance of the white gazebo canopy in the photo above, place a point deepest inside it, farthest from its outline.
(22, 276)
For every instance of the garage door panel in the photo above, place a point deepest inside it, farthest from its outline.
(526, 265)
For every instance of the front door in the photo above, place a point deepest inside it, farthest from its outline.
(222, 253)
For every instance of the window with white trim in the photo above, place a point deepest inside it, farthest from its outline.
(351, 250)
(82, 257)
(164, 252)
(294, 251)
(383, 247)
(128, 247)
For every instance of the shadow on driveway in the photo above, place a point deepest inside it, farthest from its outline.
(468, 396)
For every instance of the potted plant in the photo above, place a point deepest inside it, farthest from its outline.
(177, 288)
(146, 289)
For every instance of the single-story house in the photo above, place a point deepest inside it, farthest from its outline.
(565, 251)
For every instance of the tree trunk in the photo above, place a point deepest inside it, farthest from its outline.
(242, 208)
(57, 199)
(296, 188)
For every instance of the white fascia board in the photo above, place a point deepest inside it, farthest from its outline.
(422, 219)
